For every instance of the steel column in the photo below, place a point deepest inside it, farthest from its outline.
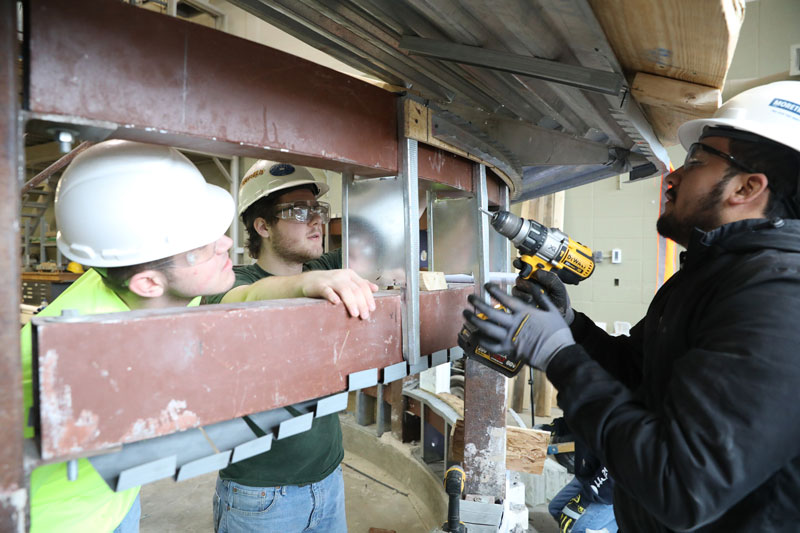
(485, 394)
(13, 490)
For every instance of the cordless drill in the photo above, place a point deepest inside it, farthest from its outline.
(540, 248)
(454, 486)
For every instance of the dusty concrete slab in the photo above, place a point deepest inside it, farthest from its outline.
(376, 495)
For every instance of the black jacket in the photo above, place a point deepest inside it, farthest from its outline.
(597, 486)
(695, 414)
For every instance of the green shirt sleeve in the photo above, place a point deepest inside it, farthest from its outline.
(245, 275)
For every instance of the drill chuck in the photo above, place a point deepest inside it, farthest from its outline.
(572, 260)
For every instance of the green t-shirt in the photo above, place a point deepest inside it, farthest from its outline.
(86, 504)
(308, 457)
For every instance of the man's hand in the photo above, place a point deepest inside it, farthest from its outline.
(547, 281)
(340, 286)
(524, 332)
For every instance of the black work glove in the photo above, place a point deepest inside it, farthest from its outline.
(547, 281)
(570, 514)
(523, 331)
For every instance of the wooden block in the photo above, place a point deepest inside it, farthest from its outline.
(561, 447)
(416, 121)
(526, 449)
(432, 281)
(699, 101)
(668, 103)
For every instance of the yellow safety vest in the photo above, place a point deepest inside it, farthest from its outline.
(86, 504)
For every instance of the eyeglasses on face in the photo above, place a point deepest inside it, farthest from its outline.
(303, 211)
(691, 155)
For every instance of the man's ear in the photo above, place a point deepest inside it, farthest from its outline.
(749, 189)
(148, 284)
(261, 227)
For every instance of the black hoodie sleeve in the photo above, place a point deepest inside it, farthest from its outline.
(724, 425)
(620, 356)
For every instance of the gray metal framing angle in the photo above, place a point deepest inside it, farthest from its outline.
(453, 130)
(588, 79)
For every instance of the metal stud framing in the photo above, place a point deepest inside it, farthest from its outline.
(407, 172)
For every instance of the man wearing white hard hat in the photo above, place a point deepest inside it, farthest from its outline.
(694, 413)
(153, 231)
(297, 485)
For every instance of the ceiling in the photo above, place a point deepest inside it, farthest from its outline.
(531, 87)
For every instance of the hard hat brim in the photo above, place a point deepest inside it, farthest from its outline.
(322, 188)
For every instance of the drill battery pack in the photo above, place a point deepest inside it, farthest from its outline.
(495, 361)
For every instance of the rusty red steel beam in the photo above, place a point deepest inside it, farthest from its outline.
(170, 81)
(445, 167)
(112, 379)
(167, 81)
(191, 367)
(440, 317)
(13, 490)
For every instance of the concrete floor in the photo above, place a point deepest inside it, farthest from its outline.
(373, 498)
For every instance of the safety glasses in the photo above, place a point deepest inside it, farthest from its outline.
(194, 257)
(697, 147)
(303, 211)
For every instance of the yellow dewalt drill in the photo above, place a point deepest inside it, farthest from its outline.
(540, 248)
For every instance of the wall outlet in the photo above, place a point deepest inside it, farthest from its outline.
(794, 60)
(616, 255)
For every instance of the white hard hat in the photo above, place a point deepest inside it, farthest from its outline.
(771, 111)
(266, 177)
(123, 203)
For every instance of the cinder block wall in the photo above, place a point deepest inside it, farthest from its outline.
(608, 214)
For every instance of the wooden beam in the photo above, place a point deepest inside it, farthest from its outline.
(657, 91)
(681, 39)
(676, 40)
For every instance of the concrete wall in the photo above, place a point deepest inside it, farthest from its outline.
(608, 214)
(617, 213)
(770, 27)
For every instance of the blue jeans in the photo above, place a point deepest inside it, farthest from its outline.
(130, 522)
(317, 507)
(596, 517)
